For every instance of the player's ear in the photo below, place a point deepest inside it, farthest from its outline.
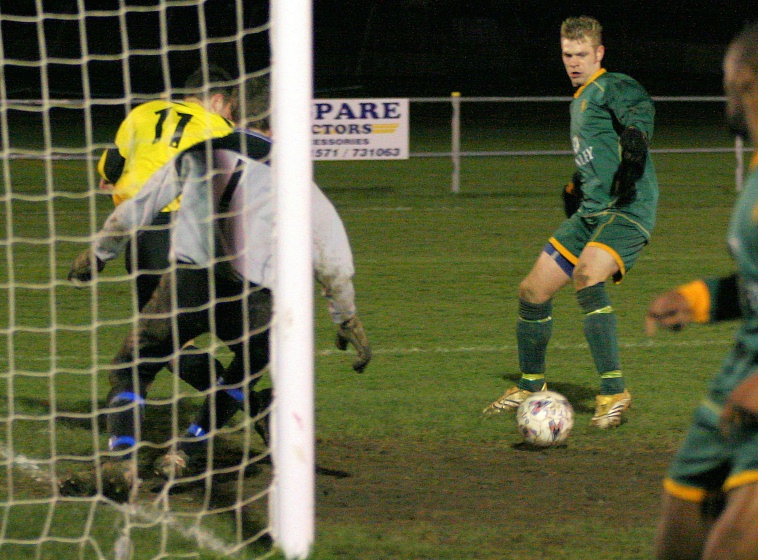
(600, 52)
(220, 105)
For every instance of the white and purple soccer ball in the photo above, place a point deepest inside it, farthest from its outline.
(545, 419)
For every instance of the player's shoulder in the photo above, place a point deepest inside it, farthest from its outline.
(246, 143)
(620, 80)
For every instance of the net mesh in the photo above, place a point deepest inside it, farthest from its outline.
(70, 71)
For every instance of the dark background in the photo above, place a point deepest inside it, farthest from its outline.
(374, 48)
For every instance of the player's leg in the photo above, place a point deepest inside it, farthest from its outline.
(242, 320)
(550, 273)
(692, 499)
(245, 327)
(601, 331)
(682, 529)
(129, 384)
(152, 246)
(610, 253)
(735, 534)
(192, 318)
(232, 390)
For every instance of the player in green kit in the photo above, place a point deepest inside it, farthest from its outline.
(611, 209)
(710, 498)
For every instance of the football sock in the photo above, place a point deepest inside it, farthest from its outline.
(222, 405)
(611, 383)
(121, 423)
(533, 330)
(600, 329)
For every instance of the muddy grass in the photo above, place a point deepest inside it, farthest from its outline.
(387, 482)
(473, 498)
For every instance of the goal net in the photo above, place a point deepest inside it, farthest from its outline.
(70, 72)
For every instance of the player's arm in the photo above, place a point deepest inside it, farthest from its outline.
(161, 188)
(111, 165)
(572, 195)
(333, 265)
(634, 110)
(701, 301)
(633, 147)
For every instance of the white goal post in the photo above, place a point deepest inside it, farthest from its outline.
(56, 343)
(293, 493)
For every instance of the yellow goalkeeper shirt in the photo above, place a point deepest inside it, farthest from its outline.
(152, 134)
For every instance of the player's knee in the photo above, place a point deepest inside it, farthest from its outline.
(583, 277)
(198, 370)
(531, 292)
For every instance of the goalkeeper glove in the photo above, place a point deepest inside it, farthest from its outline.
(572, 195)
(633, 156)
(81, 268)
(351, 331)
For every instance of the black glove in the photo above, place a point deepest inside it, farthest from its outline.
(572, 195)
(81, 268)
(633, 157)
(351, 331)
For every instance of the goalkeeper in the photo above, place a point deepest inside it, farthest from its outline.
(611, 210)
(221, 243)
(711, 488)
(150, 135)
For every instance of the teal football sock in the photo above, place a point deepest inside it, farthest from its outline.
(601, 331)
(611, 383)
(533, 330)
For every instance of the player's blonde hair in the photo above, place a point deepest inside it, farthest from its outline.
(745, 46)
(582, 28)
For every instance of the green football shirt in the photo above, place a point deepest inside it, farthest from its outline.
(601, 109)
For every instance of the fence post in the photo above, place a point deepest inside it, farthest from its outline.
(739, 168)
(455, 148)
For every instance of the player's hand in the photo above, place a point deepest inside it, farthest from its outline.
(741, 408)
(633, 146)
(81, 268)
(572, 195)
(669, 310)
(351, 331)
(632, 167)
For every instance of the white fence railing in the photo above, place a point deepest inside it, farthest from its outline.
(455, 153)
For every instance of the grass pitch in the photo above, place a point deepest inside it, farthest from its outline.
(409, 469)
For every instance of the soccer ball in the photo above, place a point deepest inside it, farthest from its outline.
(545, 419)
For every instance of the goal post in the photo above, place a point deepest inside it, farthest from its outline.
(293, 495)
(69, 73)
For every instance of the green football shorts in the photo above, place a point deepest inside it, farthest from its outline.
(708, 461)
(618, 234)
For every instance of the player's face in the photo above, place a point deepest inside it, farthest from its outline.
(581, 59)
(734, 87)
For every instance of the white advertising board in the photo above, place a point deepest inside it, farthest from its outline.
(359, 129)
